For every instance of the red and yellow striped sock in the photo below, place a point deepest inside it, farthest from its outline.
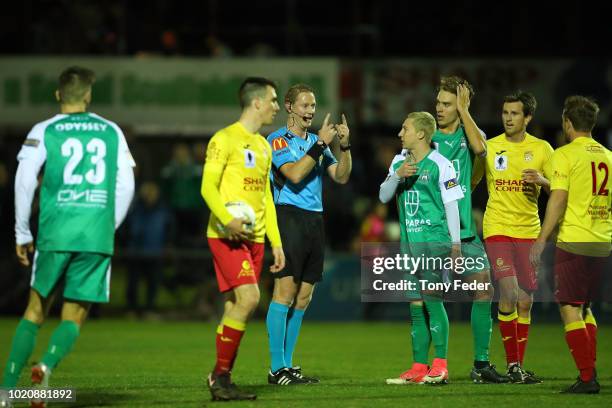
(577, 338)
(591, 326)
(508, 330)
(229, 334)
(522, 332)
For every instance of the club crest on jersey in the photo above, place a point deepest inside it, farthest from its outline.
(424, 177)
(501, 162)
(249, 158)
(528, 156)
(411, 202)
(279, 143)
(463, 145)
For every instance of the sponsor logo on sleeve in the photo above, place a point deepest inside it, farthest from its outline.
(279, 143)
(448, 184)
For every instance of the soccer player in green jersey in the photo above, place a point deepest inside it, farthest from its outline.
(86, 189)
(459, 139)
(427, 195)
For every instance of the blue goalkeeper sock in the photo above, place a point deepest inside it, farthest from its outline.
(294, 323)
(276, 322)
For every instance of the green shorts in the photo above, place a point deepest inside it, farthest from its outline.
(475, 251)
(86, 275)
(426, 273)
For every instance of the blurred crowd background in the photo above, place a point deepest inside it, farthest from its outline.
(374, 61)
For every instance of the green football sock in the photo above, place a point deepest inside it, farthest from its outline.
(62, 340)
(482, 326)
(420, 334)
(438, 326)
(21, 350)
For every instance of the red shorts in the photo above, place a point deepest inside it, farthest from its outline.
(236, 263)
(578, 278)
(510, 257)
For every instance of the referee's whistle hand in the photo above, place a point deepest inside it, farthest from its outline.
(279, 260)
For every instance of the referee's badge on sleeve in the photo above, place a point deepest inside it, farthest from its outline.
(249, 158)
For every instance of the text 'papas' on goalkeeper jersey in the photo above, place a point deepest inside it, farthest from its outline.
(456, 148)
(86, 159)
(582, 168)
(421, 198)
(512, 207)
(238, 164)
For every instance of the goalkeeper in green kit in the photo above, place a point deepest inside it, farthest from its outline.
(427, 193)
(86, 189)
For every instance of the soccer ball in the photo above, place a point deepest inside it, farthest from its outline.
(240, 209)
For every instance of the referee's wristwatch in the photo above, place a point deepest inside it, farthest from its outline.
(345, 148)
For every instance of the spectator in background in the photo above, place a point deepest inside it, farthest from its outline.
(217, 48)
(148, 223)
(373, 227)
(169, 43)
(181, 190)
(198, 150)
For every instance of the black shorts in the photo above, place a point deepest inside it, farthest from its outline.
(303, 237)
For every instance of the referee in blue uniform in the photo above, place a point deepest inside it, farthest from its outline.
(299, 159)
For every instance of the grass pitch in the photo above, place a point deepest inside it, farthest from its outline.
(119, 363)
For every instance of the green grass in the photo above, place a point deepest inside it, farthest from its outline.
(136, 364)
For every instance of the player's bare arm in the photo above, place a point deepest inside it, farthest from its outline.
(557, 203)
(297, 171)
(341, 171)
(476, 140)
(22, 252)
(533, 176)
(279, 260)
